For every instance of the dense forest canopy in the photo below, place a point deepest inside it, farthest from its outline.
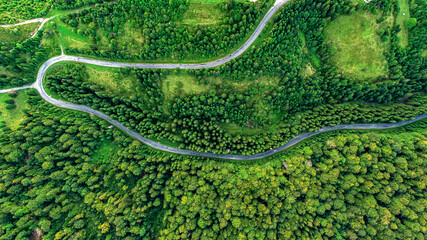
(59, 181)
(70, 175)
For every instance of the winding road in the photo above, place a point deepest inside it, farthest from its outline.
(42, 71)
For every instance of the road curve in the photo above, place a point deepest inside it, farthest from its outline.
(42, 71)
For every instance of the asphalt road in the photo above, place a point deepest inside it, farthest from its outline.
(42, 71)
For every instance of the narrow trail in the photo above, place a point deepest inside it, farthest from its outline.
(38, 85)
(15, 89)
(35, 20)
(42, 20)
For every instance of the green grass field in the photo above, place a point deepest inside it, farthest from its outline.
(18, 33)
(181, 83)
(202, 14)
(13, 117)
(360, 49)
(112, 80)
(69, 39)
(402, 16)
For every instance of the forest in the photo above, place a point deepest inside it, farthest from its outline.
(59, 182)
(70, 175)
(231, 109)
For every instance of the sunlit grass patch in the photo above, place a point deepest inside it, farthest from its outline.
(202, 14)
(105, 150)
(69, 39)
(112, 80)
(174, 85)
(360, 51)
(13, 117)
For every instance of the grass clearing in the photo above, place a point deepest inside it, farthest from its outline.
(130, 37)
(181, 83)
(263, 81)
(202, 14)
(167, 142)
(18, 33)
(69, 39)
(402, 16)
(104, 151)
(360, 49)
(13, 117)
(112, 80)
(5, 71)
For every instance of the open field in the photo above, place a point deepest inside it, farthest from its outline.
(176, 84)
(112, 80)
(360, 50)
(13, 117)
(202, 14)
(69, 39)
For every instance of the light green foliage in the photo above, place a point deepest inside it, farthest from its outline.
(13, 11)
(411, 22)
(17, 10)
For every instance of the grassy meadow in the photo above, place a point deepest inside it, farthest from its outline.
(360, 51)
(13, 117)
